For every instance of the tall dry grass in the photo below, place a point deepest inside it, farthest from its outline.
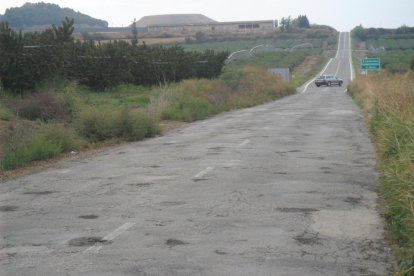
(388, 102)
(394, 92)
(198, 99)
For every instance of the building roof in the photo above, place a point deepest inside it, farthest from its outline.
(174, 19)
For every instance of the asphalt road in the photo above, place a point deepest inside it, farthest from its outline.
(286, 188)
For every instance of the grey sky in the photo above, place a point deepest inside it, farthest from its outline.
(342, 15)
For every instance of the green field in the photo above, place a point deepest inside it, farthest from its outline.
(398, 53)
(275, 52)
(237, 45)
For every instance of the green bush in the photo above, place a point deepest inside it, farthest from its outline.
(63, 135)
(5, 113)
(36, 149)
(49, 141)
(188, 108)
(139, 127)
(96, 125)
(44, 105)
(100, 124)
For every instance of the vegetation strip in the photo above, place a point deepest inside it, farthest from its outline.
(388, 102)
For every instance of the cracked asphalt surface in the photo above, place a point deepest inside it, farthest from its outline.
(286, 188)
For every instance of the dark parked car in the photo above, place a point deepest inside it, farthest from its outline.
(328, 80)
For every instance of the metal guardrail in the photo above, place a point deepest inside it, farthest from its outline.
(247, 53)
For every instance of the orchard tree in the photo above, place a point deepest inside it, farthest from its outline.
(286, 24)
(360, 33)
(64, 32)
(303, 21)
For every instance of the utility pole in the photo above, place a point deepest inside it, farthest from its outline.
(134, 33)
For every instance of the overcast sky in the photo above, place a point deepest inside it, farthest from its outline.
(340, 14)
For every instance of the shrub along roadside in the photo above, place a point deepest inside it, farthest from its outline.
(388, 102)
(98, 124)
(48, 141)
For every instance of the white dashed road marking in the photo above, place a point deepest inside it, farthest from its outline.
(245, 142)
(203, 173)
(110, 237)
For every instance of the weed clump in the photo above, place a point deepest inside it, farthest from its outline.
(97, 124)
(5, 113)
(44, 105)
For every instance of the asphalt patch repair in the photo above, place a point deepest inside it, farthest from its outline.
(174, 242)
(87, 241)
(88, 217)
(8, 208)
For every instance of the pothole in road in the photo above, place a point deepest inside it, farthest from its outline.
(86, 241)
(39, 192)
(216, 148)
(353, 200)
(297, 210)
(88, 217)
(282, 173)
(8, 208)
(143, 184)
(218, 252)
(173, 203)
(199, 179)
(174, 242)
(307, 238)
(188, 158)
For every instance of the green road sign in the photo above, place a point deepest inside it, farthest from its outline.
(370, 61)
(370, 67)
(370, 64)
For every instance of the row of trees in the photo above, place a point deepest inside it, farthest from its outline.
(287, 24)
(363, 34)
(30, 58)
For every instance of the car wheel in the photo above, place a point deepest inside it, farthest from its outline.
(317, 85)
(340, 84)
(329, 83)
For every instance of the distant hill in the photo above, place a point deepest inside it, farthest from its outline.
(41, 15)
(174, 19)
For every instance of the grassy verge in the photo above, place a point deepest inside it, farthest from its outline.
(65, 117)
(388, 102)
(237, 88)
(47, 141)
